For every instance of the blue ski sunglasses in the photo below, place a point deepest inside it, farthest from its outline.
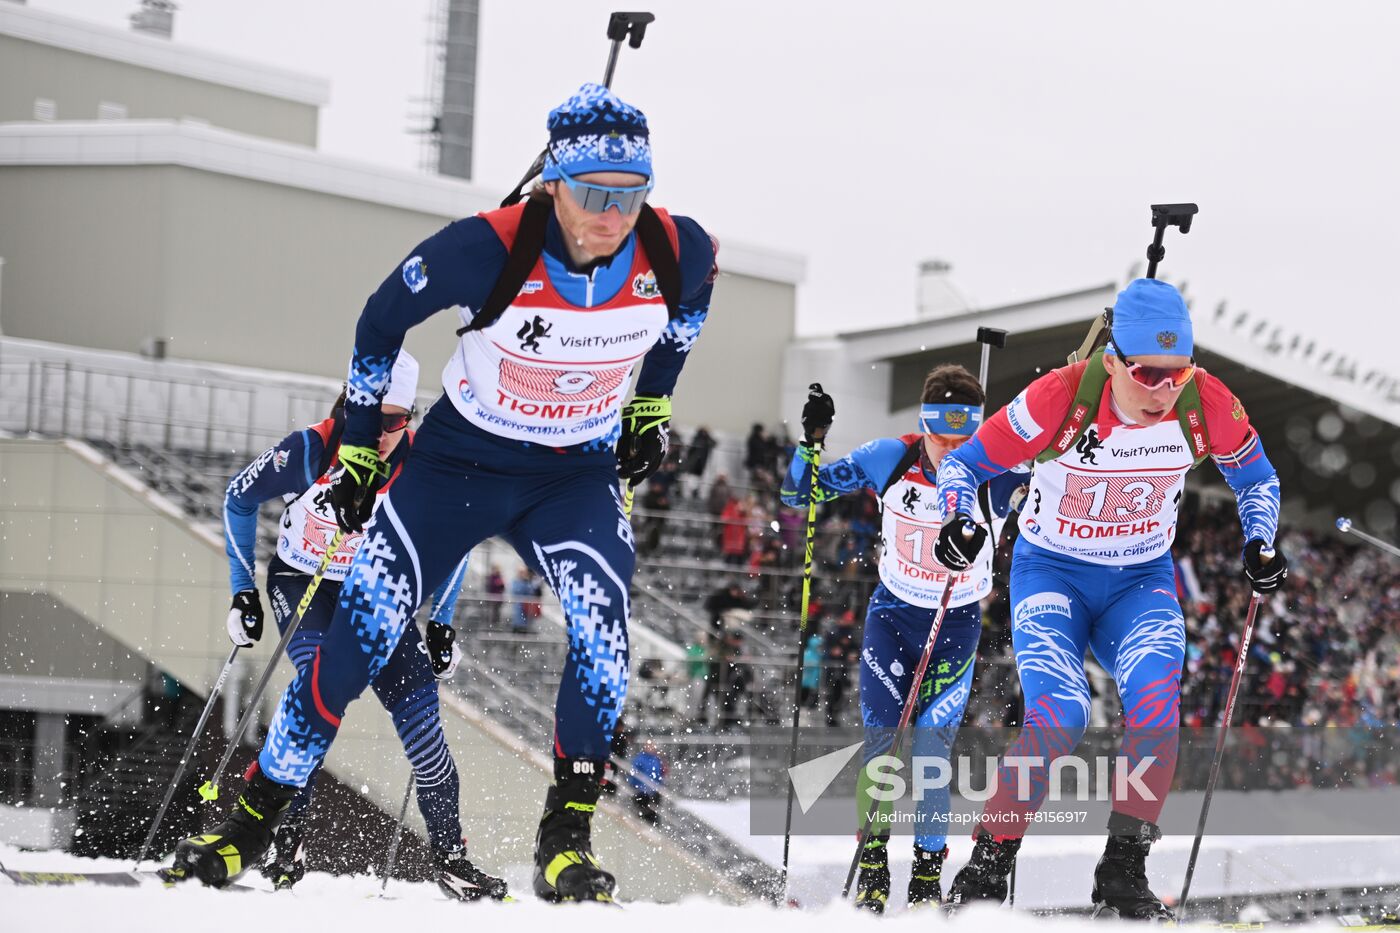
(596, 199)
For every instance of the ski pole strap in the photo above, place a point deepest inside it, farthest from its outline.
(646, 413)
(362, 463)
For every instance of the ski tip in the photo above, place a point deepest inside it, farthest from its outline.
(209, 791)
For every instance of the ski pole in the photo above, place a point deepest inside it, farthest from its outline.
(1345, 526)
(1220, 740)
(990, 337)
(867, 822)
(398, 834)
(209, 790)
(185, 758)
(816, 389)
(629, 26)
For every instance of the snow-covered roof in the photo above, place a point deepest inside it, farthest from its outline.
(1311, 362)
(197, 145)
(132, 48)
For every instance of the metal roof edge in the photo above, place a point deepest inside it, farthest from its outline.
(132, 48)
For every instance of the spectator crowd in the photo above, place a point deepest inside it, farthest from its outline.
(1325, 652)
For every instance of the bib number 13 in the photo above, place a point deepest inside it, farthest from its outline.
(1111, 500)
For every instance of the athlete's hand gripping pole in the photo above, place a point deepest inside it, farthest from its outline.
(868, 821)
(632, 26)
(355, 486)
(444, 654)
(816, 419)
(186, 757)
(209, 790)
(642, 446)
(1220, 736)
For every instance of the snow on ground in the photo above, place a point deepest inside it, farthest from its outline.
(342, 905)
(1056, 872)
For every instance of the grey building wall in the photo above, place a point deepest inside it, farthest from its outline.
(226, 269)
(734, 375)
(79, 249)
(233, 270)
(77, 83)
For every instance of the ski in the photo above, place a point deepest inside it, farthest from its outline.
(116, 879)
(111, 879)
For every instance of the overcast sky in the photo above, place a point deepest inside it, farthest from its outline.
(1020, 141)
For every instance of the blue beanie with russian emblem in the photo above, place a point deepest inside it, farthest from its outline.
(596, 131)
(1150, 318)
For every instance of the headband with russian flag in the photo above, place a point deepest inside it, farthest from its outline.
(963, 420)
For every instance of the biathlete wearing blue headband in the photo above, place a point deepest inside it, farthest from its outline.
(902, 610)
(527, 442)
(1113, 437)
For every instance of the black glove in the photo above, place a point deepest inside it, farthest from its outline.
(354, 485)
(959, 542)
(443, 653)
(245, 619)
(646, 433)
(1265, 576)
(817, 415)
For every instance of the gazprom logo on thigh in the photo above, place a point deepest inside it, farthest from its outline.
(1041, 604)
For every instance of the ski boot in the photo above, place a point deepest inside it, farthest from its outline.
(288, 863)
(463, 881)
(565, 867)
(239, 842)
(925, 889)
(984, 876)
(1120, 878)
(873, 886)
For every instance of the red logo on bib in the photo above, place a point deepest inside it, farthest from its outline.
(559, 385)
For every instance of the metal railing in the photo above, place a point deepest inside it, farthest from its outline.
(124, 408)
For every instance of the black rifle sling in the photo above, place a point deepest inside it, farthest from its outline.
(662, 256)
(529, 244)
